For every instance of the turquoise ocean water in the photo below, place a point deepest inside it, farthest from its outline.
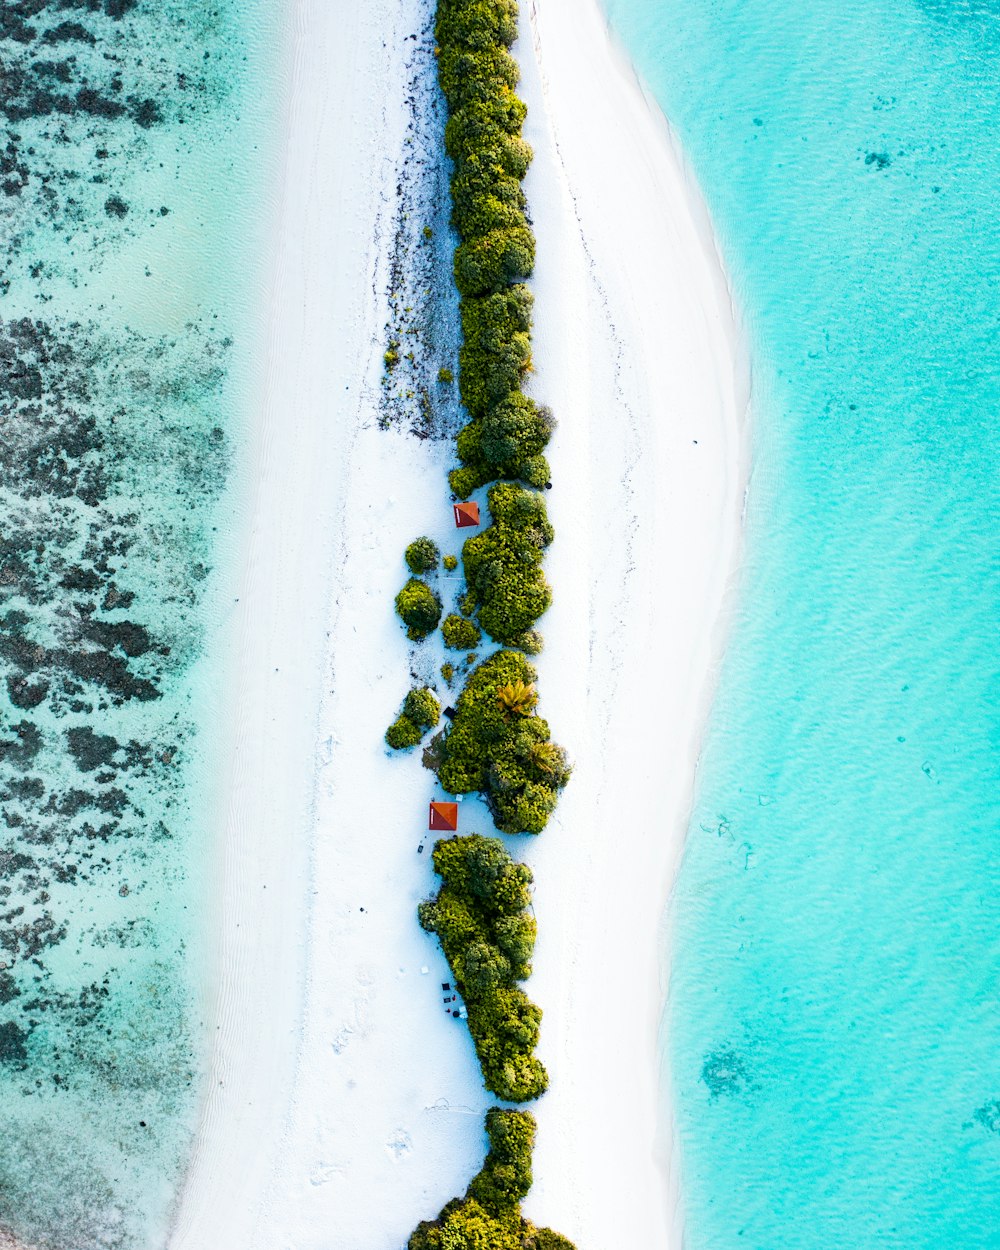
(135, 150)
(834, 1017)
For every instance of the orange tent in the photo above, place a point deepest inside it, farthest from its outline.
(444, 816)
(466, 514)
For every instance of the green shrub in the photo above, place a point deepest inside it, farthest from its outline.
(467, 76)
(448, 673)
(496, 352)
(445, 376)
(464, 481)
(421, 711)
(489, 1216)
(546, 1239)
(484, 170)
(460, 634)
(503, 564)
(498, 316)
(506, 755)
(514, 430)
(477, 179)
(535, 471)
(531, 643)
(480, 915)
(466, 1226)
(505, 1177)
(488, 262)
(488, 214)
(507, 442)
(482, 122)
(403, 733)
(391, 356)
(450, 563)
(476, 24)
(422, 555)
(421, 706)
(419, 608)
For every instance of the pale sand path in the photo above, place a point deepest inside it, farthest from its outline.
(346, 1105)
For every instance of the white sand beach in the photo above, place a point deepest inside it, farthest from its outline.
(344, 1104)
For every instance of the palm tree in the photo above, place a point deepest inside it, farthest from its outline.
(547, 758)
(516, 698)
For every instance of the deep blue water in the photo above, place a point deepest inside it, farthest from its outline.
(833, 1027)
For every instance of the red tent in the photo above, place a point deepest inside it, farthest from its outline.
(444, 816)
(466, 514)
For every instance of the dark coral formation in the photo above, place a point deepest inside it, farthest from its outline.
(98, 606)
(113, 454)
(82, 86)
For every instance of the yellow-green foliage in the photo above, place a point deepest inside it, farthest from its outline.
(419, 608)
(493, 260)
(422, 707)
(497, 248)
(467, 76)
(506, 443)
(476, 24)
(422, 555)
(403, 734)
(460, 634)
(474, 125)
(480, 915)
(421, 711)
(496, 743)
(503, 564)
(489, 1216)
(507, 756)
(496, 353)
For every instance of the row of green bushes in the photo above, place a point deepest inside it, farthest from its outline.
(503, 566)
(489, 1216)
(508, 431)
(507, 434)
(498, 746)
(480, 915)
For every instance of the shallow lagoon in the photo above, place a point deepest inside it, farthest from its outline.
(134, 170)
(833, 1021)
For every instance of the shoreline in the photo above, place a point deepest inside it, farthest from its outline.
(343, 1103)
(261, 873)
(640, 353)
(276, 1131)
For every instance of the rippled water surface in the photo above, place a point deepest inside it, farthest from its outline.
(132, 159)
(834, 1023)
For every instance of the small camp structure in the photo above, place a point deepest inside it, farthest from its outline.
(444, 817)
(466, 515)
